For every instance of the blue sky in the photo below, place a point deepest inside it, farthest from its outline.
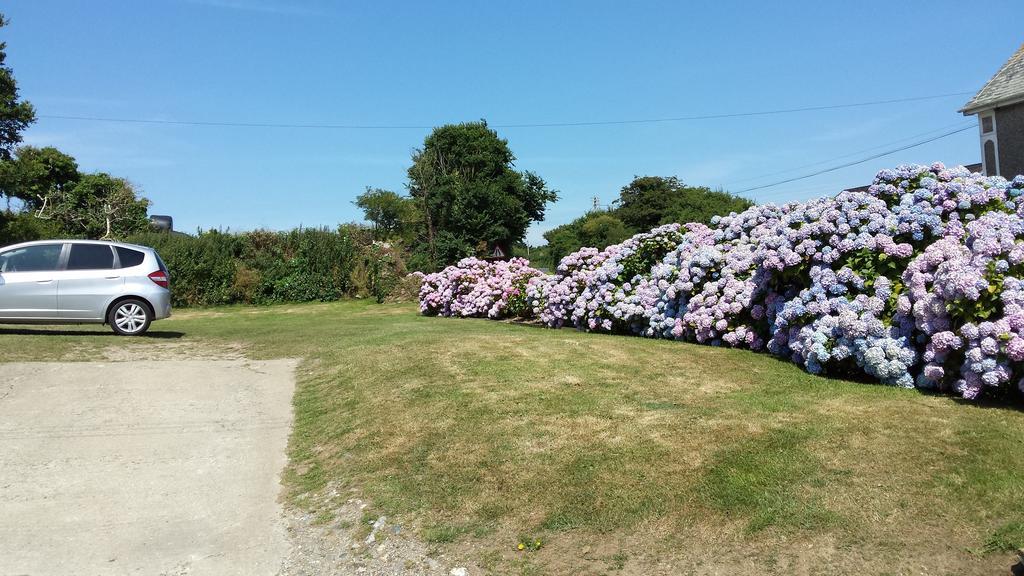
(429, 63)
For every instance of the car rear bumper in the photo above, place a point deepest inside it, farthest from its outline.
(161, 302)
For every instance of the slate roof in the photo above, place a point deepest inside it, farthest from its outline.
(1006, 87)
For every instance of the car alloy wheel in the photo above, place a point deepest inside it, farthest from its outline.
(130, 318)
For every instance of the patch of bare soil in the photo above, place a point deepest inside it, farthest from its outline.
(127, 350)
(355, 542)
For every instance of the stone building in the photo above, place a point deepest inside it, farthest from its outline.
(999, 106)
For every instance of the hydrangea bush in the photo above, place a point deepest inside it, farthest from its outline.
(917, 282)
(477, 288)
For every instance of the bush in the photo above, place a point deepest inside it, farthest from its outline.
(917, 282)
(301, 265)
(407, 289)
(257, 267)
(384, 270)
(18, 227)
(202, 267)
(475, 287)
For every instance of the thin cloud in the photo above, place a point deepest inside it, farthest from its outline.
(263, 6)
(41, 139)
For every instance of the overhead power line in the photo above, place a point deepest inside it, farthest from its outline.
(856, 162)
(330, 126)
(735, 114)
(734, 183)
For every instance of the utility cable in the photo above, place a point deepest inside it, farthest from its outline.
(856, 162)
(856, 153)
(330, 126)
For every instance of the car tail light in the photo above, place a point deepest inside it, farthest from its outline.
(160, 278)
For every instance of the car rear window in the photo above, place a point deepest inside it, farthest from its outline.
(129, 257)
(91, 257)
(160, 261)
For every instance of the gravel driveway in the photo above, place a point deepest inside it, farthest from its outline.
(143, 467)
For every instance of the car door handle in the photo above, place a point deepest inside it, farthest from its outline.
(112, 277)
(44, 281)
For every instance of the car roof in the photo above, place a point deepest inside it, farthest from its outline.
(71, 241)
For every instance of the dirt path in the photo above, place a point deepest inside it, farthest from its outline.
(143, 467)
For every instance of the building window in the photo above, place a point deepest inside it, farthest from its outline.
(986, 124)
(990, 159)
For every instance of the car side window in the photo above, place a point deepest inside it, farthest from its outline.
(91, 257)
(129, 258)
(40, 258)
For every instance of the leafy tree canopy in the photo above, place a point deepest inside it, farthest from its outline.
(101, 206)
(393, 215)
(649, 201)
(37, 175)
(15, 114)
(471, 196)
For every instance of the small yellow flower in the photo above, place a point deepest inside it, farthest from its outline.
(521, 546)
(538, 544)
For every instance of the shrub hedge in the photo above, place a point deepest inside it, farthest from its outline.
(262, 267)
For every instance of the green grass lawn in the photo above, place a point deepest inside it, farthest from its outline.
(621, 455)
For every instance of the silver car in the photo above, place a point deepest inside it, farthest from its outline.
(83, 282)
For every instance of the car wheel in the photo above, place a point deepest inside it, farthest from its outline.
(130, 317)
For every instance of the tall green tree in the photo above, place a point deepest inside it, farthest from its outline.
(15, 114)
(38, 176)
(649, 201)
(392, 215)
(101, 206)
(471, 196)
